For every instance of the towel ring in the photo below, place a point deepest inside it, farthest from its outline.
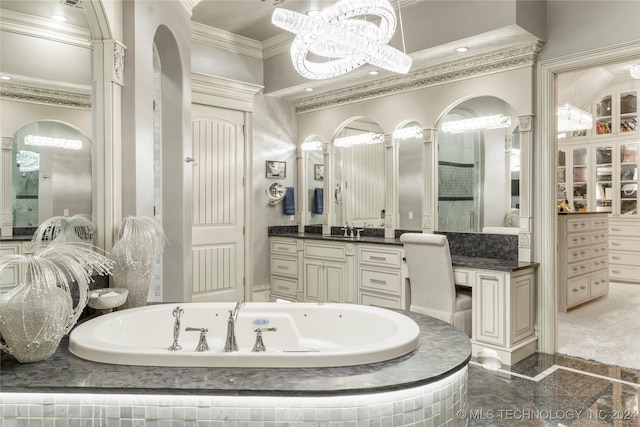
(275, 193)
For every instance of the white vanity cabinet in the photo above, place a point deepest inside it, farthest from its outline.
(382, 276)
(624, 249)
(328, 271)
(504, 311)
(583, 264)
(10, 277)
(285, 268)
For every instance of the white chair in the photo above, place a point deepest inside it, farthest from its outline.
(433, 290)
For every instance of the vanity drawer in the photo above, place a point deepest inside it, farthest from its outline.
(599, 263)
(284, 266)
(599, 283)
(599, 223)
(578, 224)
(575, 240)
(284, 286)
(333, 252)
(462, 277)
(578, 254)
(381, 281)
(380, 301)
(381, 258)
(577, 268)
(599, 250)
(620, 244)
(620, 229)
(599, 237)
(578, 290)
(281, 246)
(627, 258)
(624, 273)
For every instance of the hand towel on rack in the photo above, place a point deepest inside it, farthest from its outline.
(318, 201)
(289, 204)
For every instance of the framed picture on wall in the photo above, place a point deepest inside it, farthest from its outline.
(276, 169)
(318, 172)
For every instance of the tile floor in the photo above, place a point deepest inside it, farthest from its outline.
(548, 390)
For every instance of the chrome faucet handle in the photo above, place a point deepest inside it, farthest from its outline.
(202, 342)
(259, 345)
(359, 230)
(177, 313)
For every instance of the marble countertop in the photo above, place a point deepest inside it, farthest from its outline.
(15, 238)
(456, 260)
(443, 350)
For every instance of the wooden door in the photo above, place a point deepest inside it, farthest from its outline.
(218, 238)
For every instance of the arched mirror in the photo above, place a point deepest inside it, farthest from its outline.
(314, 180)
(51, 173)
(359, 174)
(474, 173)
(409, 143)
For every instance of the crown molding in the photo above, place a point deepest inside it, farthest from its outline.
(493, 62)
(46, 95)
(190, 4)
(213, 90)
(225, 40)
(277, 44)
(34, 26)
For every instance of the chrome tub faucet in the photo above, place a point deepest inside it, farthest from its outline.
(177, 313)
(230, 343)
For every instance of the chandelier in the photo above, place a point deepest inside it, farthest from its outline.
(342, 33)
(572, 118)
(477, 123)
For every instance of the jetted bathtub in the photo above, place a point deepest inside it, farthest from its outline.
(307, 335)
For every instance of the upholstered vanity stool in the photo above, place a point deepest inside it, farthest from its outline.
(433, 290)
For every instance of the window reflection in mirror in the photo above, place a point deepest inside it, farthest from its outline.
(314, 164)
(410, 182)
(359, 177)
(51, 173)
(474, 176)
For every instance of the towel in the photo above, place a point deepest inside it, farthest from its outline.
(289, 204)
(318, 201)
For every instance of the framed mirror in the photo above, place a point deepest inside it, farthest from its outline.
(410, 191)
(51, 173)
(358, 169)
(474, 166)
(313, 158)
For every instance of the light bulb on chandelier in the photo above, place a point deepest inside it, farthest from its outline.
(348, 41)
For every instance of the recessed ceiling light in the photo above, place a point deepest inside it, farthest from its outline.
(374, 72)
(462, 49)
(59, 18)
(5, 77)
(308, 89)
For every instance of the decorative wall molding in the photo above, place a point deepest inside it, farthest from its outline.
(7, 143)
(42, 95)
(213, 90)
(224, 40)
(34, 26)
(118, 62)
(493, 62)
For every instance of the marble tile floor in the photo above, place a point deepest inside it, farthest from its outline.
(548, 390)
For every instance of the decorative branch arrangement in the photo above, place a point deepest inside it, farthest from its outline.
(141, 243)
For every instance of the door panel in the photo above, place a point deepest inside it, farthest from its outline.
(218, 204)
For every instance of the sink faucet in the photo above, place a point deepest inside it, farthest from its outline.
(348, 230)
(230, 343)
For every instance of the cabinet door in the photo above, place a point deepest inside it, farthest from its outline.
(335, 282)
(10, 276)
(313, 279)
(580, 179)
(628, 189)
(628, 112)
(604, 177)
(489, 300)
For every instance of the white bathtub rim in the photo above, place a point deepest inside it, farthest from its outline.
(84, 345)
